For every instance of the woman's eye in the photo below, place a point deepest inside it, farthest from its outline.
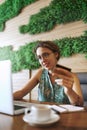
(46, 55)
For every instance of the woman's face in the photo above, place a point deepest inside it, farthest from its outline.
(47, 58)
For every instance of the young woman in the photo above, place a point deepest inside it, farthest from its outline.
(55, 84)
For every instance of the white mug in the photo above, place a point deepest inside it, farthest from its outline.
(40, 112)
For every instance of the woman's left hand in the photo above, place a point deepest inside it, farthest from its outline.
(63, 77)
(71, 85)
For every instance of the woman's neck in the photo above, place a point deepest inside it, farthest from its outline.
(52, 70)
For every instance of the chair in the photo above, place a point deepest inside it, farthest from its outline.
(83, 81)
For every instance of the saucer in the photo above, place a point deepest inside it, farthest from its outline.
(29, 118)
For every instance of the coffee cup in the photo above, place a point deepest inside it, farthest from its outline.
(40, 112)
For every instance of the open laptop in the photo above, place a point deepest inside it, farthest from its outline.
(6, 91)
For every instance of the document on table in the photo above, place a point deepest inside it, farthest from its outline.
(66, 108)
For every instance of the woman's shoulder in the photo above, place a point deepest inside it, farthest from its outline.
(42, 70)
(39, 71)
(37, 74)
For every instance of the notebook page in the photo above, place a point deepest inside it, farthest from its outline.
(66, 108)
(72, 108)
(58, 109)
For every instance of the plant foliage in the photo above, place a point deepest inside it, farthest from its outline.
(10, 9)
(24, 58)
(58, 12)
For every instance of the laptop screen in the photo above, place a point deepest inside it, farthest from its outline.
(6, 97)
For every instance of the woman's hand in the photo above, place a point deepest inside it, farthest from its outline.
(17, 95)
(71, 85)
(63, 77)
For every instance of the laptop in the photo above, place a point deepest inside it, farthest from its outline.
(7, 105)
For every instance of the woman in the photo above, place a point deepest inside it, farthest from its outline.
(56, 84)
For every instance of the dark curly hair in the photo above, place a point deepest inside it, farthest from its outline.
(50, 45)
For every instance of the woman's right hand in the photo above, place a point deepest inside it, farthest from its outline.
(17, 95)
(63, 77)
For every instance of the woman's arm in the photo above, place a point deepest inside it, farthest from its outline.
(29, 86)
(71, 85)
(75, 93)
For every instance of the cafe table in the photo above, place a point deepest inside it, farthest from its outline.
(68, 121)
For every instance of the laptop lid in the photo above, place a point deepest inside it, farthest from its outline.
(6, 90)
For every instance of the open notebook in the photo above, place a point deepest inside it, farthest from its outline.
(6, 91)
(66, 108)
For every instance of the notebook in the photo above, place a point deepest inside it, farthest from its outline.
(7, 105)
(66, 108)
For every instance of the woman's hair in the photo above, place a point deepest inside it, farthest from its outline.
(48, 44)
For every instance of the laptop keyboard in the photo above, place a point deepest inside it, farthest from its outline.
(16, 107)
(22, 103)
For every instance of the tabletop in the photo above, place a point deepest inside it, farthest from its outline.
(68, 121)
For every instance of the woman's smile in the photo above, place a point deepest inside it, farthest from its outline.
(46, 64)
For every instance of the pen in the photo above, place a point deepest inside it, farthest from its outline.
(56, 111)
